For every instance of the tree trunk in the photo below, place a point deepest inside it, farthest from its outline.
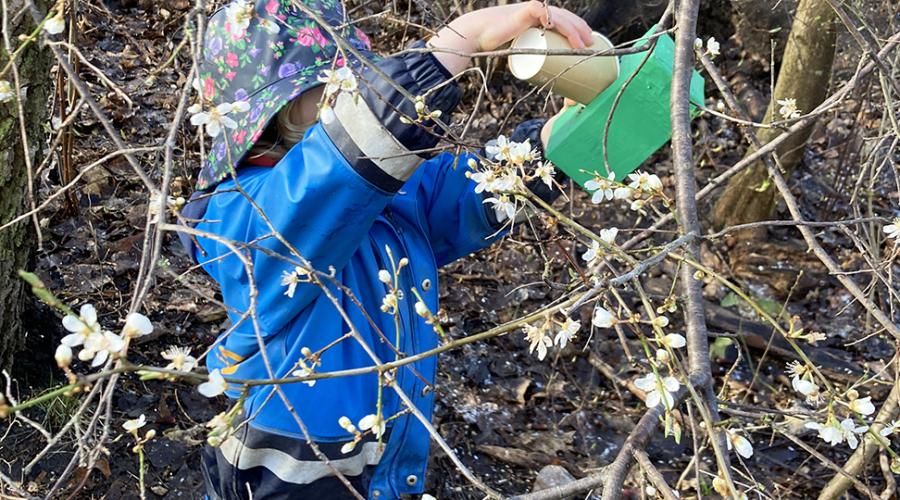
(16, 242)
(804, 76)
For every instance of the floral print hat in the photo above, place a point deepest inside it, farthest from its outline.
(258, 56)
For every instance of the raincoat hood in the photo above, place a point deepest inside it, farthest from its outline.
(258, 56)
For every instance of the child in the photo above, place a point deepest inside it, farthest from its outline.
(353, 194)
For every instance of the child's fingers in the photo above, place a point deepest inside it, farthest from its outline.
(580, 25)
(565, 28)
(573, 27)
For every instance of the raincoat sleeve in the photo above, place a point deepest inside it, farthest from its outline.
(459, 221)
(324, 195)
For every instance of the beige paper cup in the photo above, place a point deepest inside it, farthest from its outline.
(580, 78)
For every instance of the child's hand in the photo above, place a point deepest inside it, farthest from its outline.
(502, 26)
(548, 127)
(488, 29)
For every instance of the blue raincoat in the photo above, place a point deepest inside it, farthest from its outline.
(352, 195)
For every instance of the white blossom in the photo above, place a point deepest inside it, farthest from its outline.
(788, 109)
(238, 14)
(739, 443)
(504, 207)
(890, 428)
(499, 149)
(135, 423)
(539, 340)
(603, 187)
(609, 235)
(644, 182)
(99, 346)
(374, 422)
(137, 325)
(660, 321)
(338, 80)
(638, 205)
(712, 47)
(834, 432)
(81, 326)
(292, 279)
(389, 303)
(592, 253)
(802, 380)
(347, 79)
(521, 153)
(213, 387)
(483, 180)
(306, 369)
(545, 172)
(63, 355)
(270, 26)
(55, 25)
(673, 340)
(662, 356)
(215, 119)
(658, 389)
(179, 359)
(6, 91)
(863, 406)
(603, 318)
(567, 332)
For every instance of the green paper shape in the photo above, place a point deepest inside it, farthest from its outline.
(640, 126)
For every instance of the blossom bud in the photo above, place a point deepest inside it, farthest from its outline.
(661, 321)
(852, 394)
(422, 309)
(384, 277)
(698, 43)
(150, 434)
(662, 355)
(306, 352)
(436, 113)
(420, 106)
(472, 163)
(345, 422)
(63, 356)
(403, 262)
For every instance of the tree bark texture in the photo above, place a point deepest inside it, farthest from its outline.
(804, 76)
(16, 242)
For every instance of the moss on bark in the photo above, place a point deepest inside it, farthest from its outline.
(16, 242)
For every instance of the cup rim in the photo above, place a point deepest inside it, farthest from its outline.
(538, 60)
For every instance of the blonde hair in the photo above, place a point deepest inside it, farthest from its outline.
(281, 134)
